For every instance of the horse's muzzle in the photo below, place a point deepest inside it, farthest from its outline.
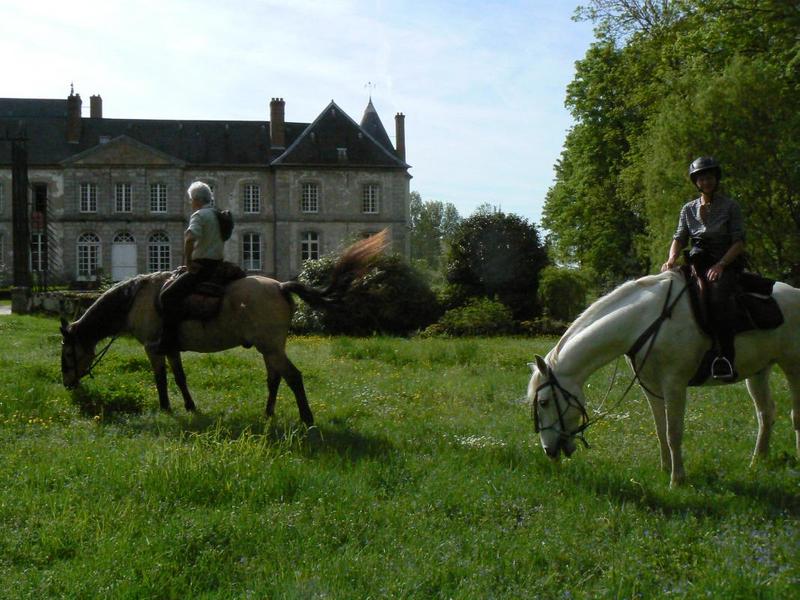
(562, 444)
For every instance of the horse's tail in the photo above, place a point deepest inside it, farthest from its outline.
(352, 264)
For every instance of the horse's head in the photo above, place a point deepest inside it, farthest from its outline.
(559, 415)
(76, 359)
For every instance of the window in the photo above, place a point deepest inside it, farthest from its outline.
(122, 197)
(309, 202)
(88, 197)
(158, 253)
(38, 252)
(252, 198)
(2, 199)
(251, 252)
(88, 254)
(370, 199)
(309, 245)
(158, 198)
(124, 237)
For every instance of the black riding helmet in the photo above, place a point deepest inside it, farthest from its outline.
(702, 164)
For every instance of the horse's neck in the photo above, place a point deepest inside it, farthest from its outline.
(608, 336)
(108, 315)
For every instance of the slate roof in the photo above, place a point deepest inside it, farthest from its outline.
(371, 123)
(332, 130)
(198, 142)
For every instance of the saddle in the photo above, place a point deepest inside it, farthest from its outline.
(755, 308)
(205, 301)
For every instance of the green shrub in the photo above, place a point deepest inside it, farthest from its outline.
(391, 298)
(480, 316)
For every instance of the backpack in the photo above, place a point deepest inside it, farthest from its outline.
(225, 220)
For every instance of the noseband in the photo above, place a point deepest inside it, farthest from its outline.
(570, 400)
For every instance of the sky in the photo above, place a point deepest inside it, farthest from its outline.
(482, 84)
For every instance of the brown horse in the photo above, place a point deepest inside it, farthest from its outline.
(255, 311)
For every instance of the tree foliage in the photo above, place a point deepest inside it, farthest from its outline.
(432, 222)
(664, 82)
(495, 255)
(562, 293)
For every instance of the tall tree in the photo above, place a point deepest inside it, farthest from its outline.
(665, 82)
(432, 222)
(493, 254)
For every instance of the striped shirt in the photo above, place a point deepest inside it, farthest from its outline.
(723, 226)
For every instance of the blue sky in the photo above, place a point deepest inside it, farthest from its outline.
(482, 84)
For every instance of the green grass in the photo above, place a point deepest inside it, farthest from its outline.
(423, 479)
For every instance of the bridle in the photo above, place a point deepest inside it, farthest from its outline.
(570, 400)
(73, 353)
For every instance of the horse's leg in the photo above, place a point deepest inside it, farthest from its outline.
(284, 367)
(180, 379)
(160, 372)
(758, 386)
(660, 418)
(793, 378)
(273, 381)
(675, 402)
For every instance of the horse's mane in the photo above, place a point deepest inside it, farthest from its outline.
(109, 313)
(601, 306)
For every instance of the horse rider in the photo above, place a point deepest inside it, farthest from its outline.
(203, 252)
(713, 222)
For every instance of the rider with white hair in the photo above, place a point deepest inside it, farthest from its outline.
(202, 252)
(713, 222)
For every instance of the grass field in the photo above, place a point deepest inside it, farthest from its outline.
(422, 479)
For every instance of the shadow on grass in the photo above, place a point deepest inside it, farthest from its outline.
(312, 442)
(706, 494)
(107, 405)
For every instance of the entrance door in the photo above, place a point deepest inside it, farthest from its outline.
(123, 257)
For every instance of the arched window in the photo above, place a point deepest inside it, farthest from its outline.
(251, 252)
(88, 255)
(309, 245)
(124, 237)
(158, 252)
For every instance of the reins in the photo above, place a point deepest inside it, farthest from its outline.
(100, 355)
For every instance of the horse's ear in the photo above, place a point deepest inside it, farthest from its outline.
(541, 365)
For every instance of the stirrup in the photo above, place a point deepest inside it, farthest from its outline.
(721, 368)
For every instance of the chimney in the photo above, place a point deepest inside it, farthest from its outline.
(96, 107)
(400, 135)
(73, 118)
(277, 129)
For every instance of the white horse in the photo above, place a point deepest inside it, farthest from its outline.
(611, 326)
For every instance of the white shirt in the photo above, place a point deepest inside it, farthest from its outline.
(207, 238)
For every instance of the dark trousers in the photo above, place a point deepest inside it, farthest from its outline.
(172, 298)
(721, 303)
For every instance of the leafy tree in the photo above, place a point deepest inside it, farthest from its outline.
(432, 222)
(492, 254)
(562, 292)
(664, 82)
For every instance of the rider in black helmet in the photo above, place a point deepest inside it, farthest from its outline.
(713, 222)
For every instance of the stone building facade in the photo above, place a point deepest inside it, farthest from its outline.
(107, 196)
